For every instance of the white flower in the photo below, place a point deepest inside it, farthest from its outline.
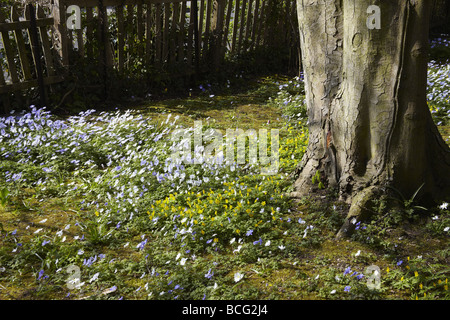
(358, 253)
(238, 276)
(332, 291)
(267, 243)
(232, 240)
(281, 247)
(446, 229)
(443, 206)
(183, 261)
(95, 277)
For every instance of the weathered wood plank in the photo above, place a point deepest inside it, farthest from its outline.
(59, 15)
(227, 24)
(242, 26)
(29, 84)
(261, 24)
(182, 35)
(201, 17)
(256, 17)
(205, 40)
(158, 31)
(120, 39)
(166, 29)
(2, 76)
(148, 34)
(89, 32)
(20, 25)
(9, 53)
(190, 38)
(248, 24)
(235, 27)
(20, 42)
(46, 45)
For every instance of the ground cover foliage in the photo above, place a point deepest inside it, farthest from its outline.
(93, 207)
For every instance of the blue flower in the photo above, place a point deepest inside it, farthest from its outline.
(347, 289)
(347, 271)
(41, 274)
(257, 241)
(209, 274)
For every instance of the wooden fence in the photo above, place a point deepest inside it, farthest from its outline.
(182, 36)
(27, 57)
(164, 33)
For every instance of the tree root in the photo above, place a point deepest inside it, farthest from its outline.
(360, 210)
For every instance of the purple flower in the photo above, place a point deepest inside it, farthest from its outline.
(347, 271)
(209, 274)
(347, 289)
(41, 273)
(249, 233)
(141, 245)
(257, 241)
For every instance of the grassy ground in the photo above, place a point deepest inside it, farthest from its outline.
(128, 235)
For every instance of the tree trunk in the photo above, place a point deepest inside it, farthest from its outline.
(369, 123)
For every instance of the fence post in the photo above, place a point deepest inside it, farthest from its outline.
(217, 31)
(59, 16)
(37, 53)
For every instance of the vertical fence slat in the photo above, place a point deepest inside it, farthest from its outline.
(89, 50)
(2, 76)
(59, 16)
(46, 46)
(158, 44)
(148, 33)
(173, 32)
(242, 26)
(256, 16)
(227, 24)
(9, 54)
(248, 24)
(218, 26)
(261, 24)
(166, 32)
(235, 26)
(205, 38)
(201, 17)
(120, 40)
(23, 53)
(182, 35)
(129, 31)
(190, 38)
(140, 22)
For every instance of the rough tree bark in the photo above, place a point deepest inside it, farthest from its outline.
(369, 123)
